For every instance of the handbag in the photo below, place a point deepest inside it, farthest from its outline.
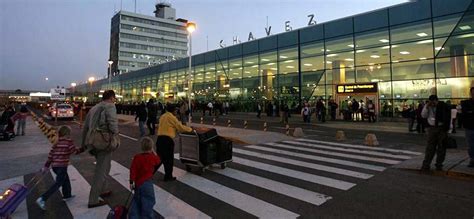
(103, 140)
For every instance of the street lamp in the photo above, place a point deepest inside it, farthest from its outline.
(73, 85)
(46, 79)
(190, 27)
(91, 80)
(110, 71)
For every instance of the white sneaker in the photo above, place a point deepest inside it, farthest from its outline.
(41, 203)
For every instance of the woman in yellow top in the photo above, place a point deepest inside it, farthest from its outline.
(167, 129)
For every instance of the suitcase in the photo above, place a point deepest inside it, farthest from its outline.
(224, 150)
(121, 211)
(15, 195)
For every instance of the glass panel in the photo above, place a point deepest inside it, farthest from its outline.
(411, 31)
(454, 87)
(312, 49)
(251, 89)
(412, 70)
(458, 45)
(413, 89)
(466, 25)
(420, 50)
(445, 25)
(460, 66)
(372, 38)
(340, 60)
(268, 71)
(372, 56)
(341, 76)
(312, 64)
(267, 58)
(373, 73)
(440, 49)
(340, 44)
(310, 81)
(199, 74)
(289, 85)
(288, 54)
(235, 70)
(210, 74)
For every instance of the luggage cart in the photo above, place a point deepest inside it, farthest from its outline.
(190, 152)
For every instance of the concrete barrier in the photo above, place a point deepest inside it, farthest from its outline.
(298, 132)
(245, 124)
(229, 123)
(371, 140)
(340, 136)
(214, 121)
(265, 126)
(202, 120)
(287, 129)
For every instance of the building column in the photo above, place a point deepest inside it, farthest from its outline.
(458, 61)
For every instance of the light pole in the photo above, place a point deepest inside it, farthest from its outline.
(73, 86)
(46, 79)
(91, 80)
(110, 72)
(190, 27)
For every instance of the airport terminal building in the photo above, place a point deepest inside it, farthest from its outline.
(403, 52)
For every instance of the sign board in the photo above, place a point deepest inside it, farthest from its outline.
(58, 94)
(357, 88)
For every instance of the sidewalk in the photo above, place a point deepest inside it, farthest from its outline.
(25, 154)
(238, 135)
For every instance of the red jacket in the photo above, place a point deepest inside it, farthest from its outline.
(60, 153)
(143, 167)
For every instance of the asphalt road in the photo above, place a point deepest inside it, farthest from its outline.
(391, 193)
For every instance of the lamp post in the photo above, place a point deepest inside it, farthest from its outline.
(91, 80)
(190, 27)
(110, 72)
(46, 79)
(73, 86)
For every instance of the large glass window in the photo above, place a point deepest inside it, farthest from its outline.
(459, 66)
(412, 31)
(312, 49)
(210, 75)
(419, 50)
(454, 87)
(269, 70)
(373, 73)
(372, 56)
(372, 39)
(413, 70)
(312, 64)
(340, 44)
(199, 74)
(250, 67)
(340, 60)
(340, 76)
(445, 25)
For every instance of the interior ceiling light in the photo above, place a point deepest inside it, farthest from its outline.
(423, 58)
(360, 51)
(308, 64)
(271, 63)
(265, 60)
(274, 69)
(331, 55)
(422, 34)
(283, 57)
(404, 52)
(375, 56)
(465, 27)
(288, 61)
(328, 62)
(466, 36)
(289, 66)
(439, 48)
(384, 40)
(351, 45)
(249, 62)
(350, 60)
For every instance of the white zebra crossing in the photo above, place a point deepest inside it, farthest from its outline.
(231, 196)
(78, 205)
(306, 164)
(318, 158)
(381, 154)
(274, 186)
(360, 146)
(338, 154)
(167, 205)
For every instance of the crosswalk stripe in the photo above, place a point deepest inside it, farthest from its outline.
(233, 197)
(78, 205)
(306, 164)
(321, 180)
(166, 204)
(353, 156)
(318, 158)
(359, 146)
(350, 150)
(278, 187)
(21, 211)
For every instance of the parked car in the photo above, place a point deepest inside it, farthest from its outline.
(64, 110)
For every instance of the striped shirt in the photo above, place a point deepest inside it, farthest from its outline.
(60, 152)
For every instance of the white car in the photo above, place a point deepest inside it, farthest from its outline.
(64, 111)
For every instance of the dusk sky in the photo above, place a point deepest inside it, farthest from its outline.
(68, 40)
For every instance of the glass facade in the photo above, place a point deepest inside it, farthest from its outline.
(408, 58)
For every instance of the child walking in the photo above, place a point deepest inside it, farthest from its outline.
(58, 159)
(144, 165)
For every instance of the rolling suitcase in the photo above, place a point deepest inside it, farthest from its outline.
(224, 150)
(15, 195)
(121, 211)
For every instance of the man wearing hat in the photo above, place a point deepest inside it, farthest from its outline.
(438, 117)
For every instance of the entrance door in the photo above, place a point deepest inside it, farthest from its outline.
(365, 97)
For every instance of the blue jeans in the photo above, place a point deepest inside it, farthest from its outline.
(21, 126)
(470, 143)
(143, 201)
(141, 125)
(62, 180)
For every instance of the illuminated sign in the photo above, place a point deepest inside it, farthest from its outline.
(357, 88)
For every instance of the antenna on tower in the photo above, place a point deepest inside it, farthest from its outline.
(135, 6)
